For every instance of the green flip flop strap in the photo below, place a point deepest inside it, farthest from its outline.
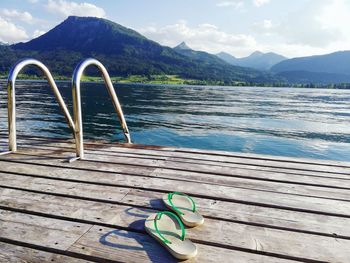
(158, 217)
(170, 196)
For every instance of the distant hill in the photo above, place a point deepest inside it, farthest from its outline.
(124, 52)
(209, 59)
(306, 77)
(338, 62)
(329, 68)
(204, 57)
(228, 58)
(257, 60)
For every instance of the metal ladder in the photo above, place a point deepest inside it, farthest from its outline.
(78, 72)
(76, 126)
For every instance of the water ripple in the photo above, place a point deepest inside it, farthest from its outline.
(312, 123)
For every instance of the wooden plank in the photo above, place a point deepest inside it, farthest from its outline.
(61, 161)
(101, 244)
(241, 163)
(126, 212)
(305, 190)
(91, 212)
(264, 240)
(63, 187)
(279, 177)
(199, 165)
(135, 247)
(16, 254)
(259, 165)
(332, 193)
(54, 151)
(238, 162)
(108, 146)
(183, 174)
(164, 150)
(55, 234)
(339, 180)
(217, 192)
(326, 171)
(344, 164)
(217, 169)
(259, 238)
(256, 215)
(253, 238)
(245, 236)
(223, 233)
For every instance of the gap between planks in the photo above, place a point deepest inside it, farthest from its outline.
(19, 200)
(174, 152)
(228, 195)
(104, 145)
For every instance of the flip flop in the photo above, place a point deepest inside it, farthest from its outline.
(184, 206)
(169, 231)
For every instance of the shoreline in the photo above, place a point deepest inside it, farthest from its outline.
(176, 80)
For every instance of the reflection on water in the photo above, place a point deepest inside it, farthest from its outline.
(312, 123)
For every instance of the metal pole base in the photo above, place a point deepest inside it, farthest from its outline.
(4, 153)
(73, 159)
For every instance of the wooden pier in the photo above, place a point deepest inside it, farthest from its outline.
(257, 208)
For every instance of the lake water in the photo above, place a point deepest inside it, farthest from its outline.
(312, 123)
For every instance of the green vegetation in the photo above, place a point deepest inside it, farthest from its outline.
(177, 80)
(132, 58)
(128, 56)
(152, 79)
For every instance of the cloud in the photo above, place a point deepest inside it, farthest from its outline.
(317, 24)
(14, 14)
(205, 37)
(266, 24)
(38, 33)
(238, 4)
(259, 3)
(33, 1)
(10, 33)
(231, 3)
(67, 8)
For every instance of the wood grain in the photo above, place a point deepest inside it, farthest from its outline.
(257, 208)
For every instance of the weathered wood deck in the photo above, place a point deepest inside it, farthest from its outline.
(257, 208)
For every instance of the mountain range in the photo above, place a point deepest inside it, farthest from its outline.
(257, 60)
(126, 52)
(329, 68)
(320, 69)
(202, 56)
(123, 51)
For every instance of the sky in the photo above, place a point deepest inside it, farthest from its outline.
(239, 27)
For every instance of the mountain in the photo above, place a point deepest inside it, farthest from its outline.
(182, 46)
(124, 52)
(227, 57)
(337, 62)
(257, 60)
(307, 77)
(204, 57)
(213, 61)
(329, 68)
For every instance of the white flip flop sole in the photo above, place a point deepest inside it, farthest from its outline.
(170, 230)
(184, 204)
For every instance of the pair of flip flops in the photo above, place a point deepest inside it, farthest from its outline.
(168, 227)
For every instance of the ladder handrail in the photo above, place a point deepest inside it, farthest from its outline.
(11, 100)
(76, 79)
